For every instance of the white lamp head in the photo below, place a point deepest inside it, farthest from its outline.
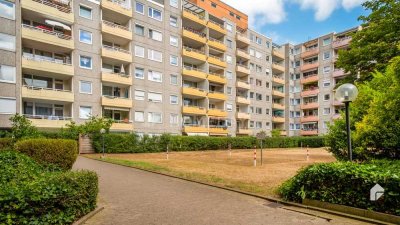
(102, 131)
(346, 93)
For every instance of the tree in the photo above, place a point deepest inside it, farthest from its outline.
(376, 44)
(21, 127)
(91, 126)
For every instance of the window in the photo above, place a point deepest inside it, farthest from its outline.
(85, 36)
(267, 98)
(258, 97)
(85, 87)
(325, 124)
(259, 111)
(251, 125)
(267, 111)
(154, 76)
(258, 55)
(229, 75)
(154, 55)
(139, 29)
(7, 9)
(139, 95)
(173, 41)
(267, 43)
(7, 74)
(8, 106)
(267, 125)
(139, 116)
(173, 99)
(327, 69)
(229, 59)
(155, 35)
(327, 111)
(213, 5)
(139, 51)
(173, 60)
(258, 40)
(258, 69)
(229, 107)
(85, 12)
(327, 55)
(229, 122)
(252, 52)
(155, 14)
(174, 79)
(229, 90)
(154, 97)
(154, 117)
(258, 125)
(327, 83)
(326, 41)
(229, 43)
(173, 118)
(85, 112)
(7, 42)
(85, 62)
(267, 84)
(327, 97)
(173, 21)
(139, 73)
(139, 8)
(229, 27)
(173, 3)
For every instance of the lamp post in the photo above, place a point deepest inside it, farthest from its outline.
(102, 131)
(347, 93)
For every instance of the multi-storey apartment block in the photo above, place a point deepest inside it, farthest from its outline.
(161, 66)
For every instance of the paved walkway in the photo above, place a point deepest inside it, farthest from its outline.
(132, 196)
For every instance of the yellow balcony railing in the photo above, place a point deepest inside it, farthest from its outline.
(310, 105)
(309, 132)
(309, 66)
(115, 53)
(310, 79)
(242, 38)
(243, 116)
(278, 93)
(115, 29)
(278, 67)
(217, 113)
(278, 106)
(117, 6)
(116, 78)
(194, 92)
(193, 72)
(276, 119)
(243, 69)
(217, 96)
(194, 110)
(116, 102)
(218, 131)
(216, 61)
(306, 119)
(243, 131)
(47, 37)
(217, 78)
(214, 43)
(279, 80)
(310, 52)
(42, 121)
(278, 54)
(47, 94)
(194, 54)
(39, 63)
(194, 17)
(45, 7)
(242, 100)
(199, 37)
(216, 27)
(195, 129)
(121, 126)
(243, 54)
(243, 84)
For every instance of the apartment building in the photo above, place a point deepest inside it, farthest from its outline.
(161, 66)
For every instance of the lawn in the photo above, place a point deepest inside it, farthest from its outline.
(221, 168)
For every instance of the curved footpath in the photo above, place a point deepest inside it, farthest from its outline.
(132, 196)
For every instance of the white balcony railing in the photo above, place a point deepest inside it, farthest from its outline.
(60, 8)
(40, 58)
(111, 24)
(47, 117)
(111, 48)
(54, 33)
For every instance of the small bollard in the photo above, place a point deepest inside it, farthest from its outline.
(167, 152)
(255, 157)
(308, 154)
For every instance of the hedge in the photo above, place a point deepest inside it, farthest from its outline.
(34, 194)
(59, 152)
(131, 143)
(6, 143)
(347, 183)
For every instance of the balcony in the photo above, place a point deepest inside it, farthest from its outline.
(278, 93)
(116, 30)
(309, 79)
(195, 92)
(216, 61)
(278, 67)
(242, 100)
(217, 96)
(308, 132)
(194, 72)
(217, 44)
(310, 105)
(116, 78)
(338, 73)
(277, 119)
(194, 110)
(243, 84)
(119, 7)
(194, 17)
(243, 131)
(50, 10)
(121, 126)
(42, 64)
(217, 113)
(47, 37)
(117, 54)
(216, 78)
(221, 131)
(194, 35)
(278, 80)
(309, 92)
(341, 43)
(112, 101)
(242, 38)
(283, 133)
(309, 66)
(310, 53)
(278, 106)
(242, 69)
(307, 119)
(47, 94)
(194, 129)
(194, 54)
(49, 121)
(278, 54)
(242, 53)
(243, 116)
(216, 27)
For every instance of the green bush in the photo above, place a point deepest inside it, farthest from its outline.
(59, 152)
(6, 143)
(347, 183)
(32, 193)
(131, 143)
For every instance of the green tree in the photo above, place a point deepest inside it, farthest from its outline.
(21, 127)
(376, 44)
(91, 126)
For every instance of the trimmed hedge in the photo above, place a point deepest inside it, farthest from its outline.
(59, 152)
(32, 193)
(6, 143)
(131, 143)
(347, 183)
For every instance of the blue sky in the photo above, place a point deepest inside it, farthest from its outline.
(297, 21)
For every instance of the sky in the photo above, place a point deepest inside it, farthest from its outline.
(297, 21)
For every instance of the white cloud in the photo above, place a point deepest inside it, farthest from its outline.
(349, 4)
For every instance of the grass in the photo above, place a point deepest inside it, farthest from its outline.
(222, 169)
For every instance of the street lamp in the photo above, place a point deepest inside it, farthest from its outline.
(102, 131)
(347, 93)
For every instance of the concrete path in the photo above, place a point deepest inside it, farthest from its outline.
(132, 196)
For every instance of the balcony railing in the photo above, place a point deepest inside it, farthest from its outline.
(111, 48)
(43, 88)
(189, 49)
(60, 8)
(195, 14)
(40, 58)
(193, 68)
(218, 24)
(115, 97)
(122, 4)
(57, 34)
(202, 35)
(47, 117)
(216, 57)
(111, 24)
(215, 40)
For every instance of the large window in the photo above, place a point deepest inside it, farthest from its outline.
(154, 117)
(139, 8)
(139, 51)
(173, 60)
(174, 99)
(154, 76)
(8, 106)
(173, 40)
(7, 74)
(173, 119)
(85, 87)
(139, 29)
(139, 116)
(85, 62)
(85, 12)
(139, 73)
(85, 36)
(154, 55)
(155, 14)
(174, 79)
(173, 3)
(139, 95)
(173, 21)
(85, 112)
(7, 42)
(7, 9)
(154, 97)
(155, 35)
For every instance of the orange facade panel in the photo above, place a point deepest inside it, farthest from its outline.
(222, 10)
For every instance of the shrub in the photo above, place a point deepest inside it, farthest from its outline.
(21, 127)
(59, 152)
(347, 183)
(6, 143)
(34, 194)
